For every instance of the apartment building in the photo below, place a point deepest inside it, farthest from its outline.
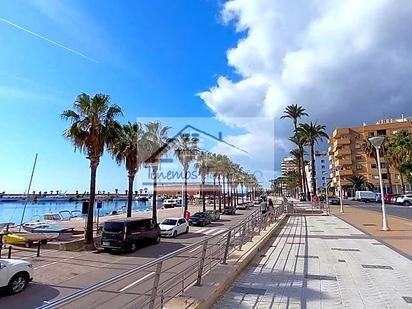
(345, 150)
(287, 165)
(322, 172)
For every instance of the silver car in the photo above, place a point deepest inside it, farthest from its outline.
(405, 200)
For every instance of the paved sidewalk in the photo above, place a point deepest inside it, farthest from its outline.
(323, 262)
(399, 237)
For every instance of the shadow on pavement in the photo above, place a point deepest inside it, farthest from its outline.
(32, 297)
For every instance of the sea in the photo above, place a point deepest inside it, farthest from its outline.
(12, 211)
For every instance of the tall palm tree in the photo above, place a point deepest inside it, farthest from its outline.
(370, 151)
(399, 150)
(312, 133)
(359, 183)
(203, 166)
(298, 141)
(214, 170)
(186, 149)
(93, 127)
(128, 148)
(154, 142)
(294, 112)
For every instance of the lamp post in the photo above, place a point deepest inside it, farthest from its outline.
(327, 192)
(338, 169)
(377, 142)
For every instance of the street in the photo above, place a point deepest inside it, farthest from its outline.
(393, 210)
(58, 273)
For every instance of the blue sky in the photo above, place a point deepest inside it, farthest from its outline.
(152, 57)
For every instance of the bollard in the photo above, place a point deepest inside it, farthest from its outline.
(38, 248)
(9, 253)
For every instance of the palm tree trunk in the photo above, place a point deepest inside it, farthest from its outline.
(220, 195)
(313, 171)
(130, 195)
(154, 197)
(388, 172)
(402, 182)
(94, 163)
(203, 196)
(214, 193)
(185, 193)
(243, 198)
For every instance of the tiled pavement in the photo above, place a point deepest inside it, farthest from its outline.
(322, 262)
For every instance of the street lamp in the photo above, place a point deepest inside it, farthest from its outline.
(338, 169)
(377, 141)
(327, 191)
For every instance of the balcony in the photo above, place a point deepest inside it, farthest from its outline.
(345, 172)
(343, 152)
(341, 141)
(344, 162)
(340, 132)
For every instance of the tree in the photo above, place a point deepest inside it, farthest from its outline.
(295, 112)
(185, 148)
(203, 166)
(370, 151)
(155, 143)
(128, 148)
(312, 133)
(93, 127)
(360, 183)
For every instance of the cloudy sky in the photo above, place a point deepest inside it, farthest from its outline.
(238, 61)
(346, 61)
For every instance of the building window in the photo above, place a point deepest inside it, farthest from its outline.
(322, 161)
(371, 134)
(359, 167)
(357, 136)
(323, 167)
(357, 146)
(375, 177)
(373, 165)
(383, 165)
(358, 157)
(381, 132)
(345, 136)
(323, 178)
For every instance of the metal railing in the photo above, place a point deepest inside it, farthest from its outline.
(158, 281)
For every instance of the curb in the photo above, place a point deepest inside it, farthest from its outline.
(215, 283)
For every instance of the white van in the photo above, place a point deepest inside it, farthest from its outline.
(366, 196)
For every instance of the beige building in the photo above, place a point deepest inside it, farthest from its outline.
(287, 165)
(345, 150)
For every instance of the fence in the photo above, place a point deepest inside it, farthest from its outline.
(156, 282)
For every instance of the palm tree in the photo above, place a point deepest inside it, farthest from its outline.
(294, 112)
(214, 170)
(312, 133)
(297, 140)
(360, 183)
(185, 148)
(203, 166)
(399, 150)
(370, 151)
(154, 142)
(93, 127)
(128, 148)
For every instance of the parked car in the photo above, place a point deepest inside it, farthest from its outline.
(214, 214)
(257, 202)
(172, 227)
(200, 218)
(15, 275)
(405, 199)
(387, 198)
(333, 200)
(243, 206)
(229, 210)
(127, 233)
(393, 198)
(366, 196)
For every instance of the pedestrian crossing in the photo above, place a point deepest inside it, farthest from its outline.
(207, 231)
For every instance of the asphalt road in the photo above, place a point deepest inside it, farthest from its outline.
(393, 210)
(59, 273)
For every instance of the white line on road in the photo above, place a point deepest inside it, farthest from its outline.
(209, 231)
(200, 231)
(136, 282)
(193, 250)
(218, 232)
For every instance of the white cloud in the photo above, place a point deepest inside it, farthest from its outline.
(346, 61)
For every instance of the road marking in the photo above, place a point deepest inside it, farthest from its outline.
(45, 265)
(209, 231)
(218, 232)
(136, 282)
(201, 230)
(193, 250)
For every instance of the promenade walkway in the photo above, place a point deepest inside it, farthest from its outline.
(323, 262)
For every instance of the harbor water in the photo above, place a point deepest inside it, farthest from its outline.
(12, 211)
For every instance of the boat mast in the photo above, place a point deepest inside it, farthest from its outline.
(27, 193)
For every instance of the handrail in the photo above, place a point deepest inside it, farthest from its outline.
(158, 261)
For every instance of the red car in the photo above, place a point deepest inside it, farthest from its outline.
(388, 198)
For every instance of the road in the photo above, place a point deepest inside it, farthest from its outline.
(394, 210)
(59, 273)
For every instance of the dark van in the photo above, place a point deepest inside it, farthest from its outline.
(126, 234)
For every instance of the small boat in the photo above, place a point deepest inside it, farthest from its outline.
(52, 198)
(142, 197)
(12, 198)
(28, 239)
(170, 203)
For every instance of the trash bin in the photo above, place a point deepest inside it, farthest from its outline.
(187, 215)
